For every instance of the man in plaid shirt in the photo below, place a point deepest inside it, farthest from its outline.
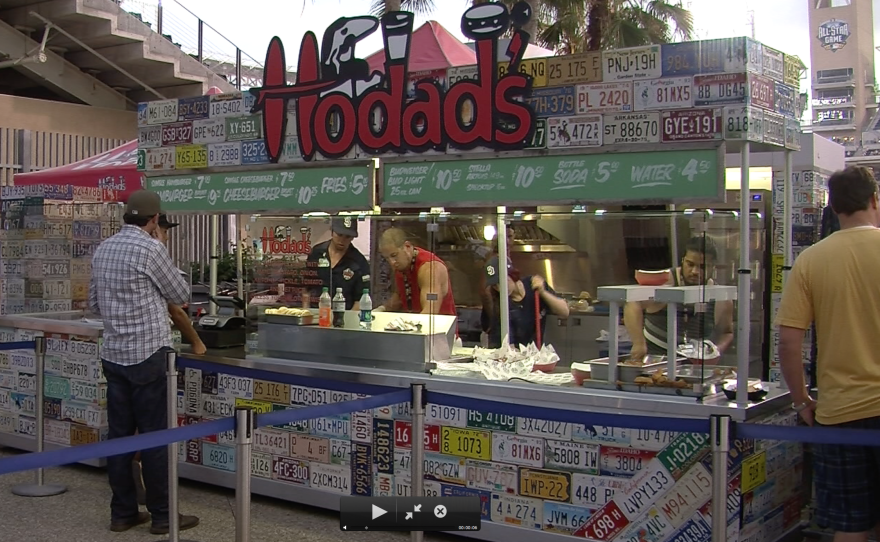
(133, 281)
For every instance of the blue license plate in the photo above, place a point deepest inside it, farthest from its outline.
(254, 152)
(218, 457)
(362, 469)
(448, 490)
(552, 102)
(194, 108)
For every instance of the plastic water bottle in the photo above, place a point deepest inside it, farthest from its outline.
(366, 316)
(338, 309)
(324, 309)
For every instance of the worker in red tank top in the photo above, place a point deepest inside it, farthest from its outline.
(417, 274)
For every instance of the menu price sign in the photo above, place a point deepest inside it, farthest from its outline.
(644, 176)
(305, 189)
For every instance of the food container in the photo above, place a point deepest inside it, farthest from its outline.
(653, 278)
(290, 320)
(626, 373)
(580, 372)
(545, 368)
(756, 390)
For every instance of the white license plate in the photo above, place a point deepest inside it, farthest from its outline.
(644, 490)
(647, 439)
(209, 131)
(532, 427)
(595, 491)
(26, 382)
(632, 63)
(11, 269)
(218, 406)
(604, 98)
(86, 391)
(564, 518)
(492, 477)
(7, 379)
(445, 469)
(579, 131)
(12, 287)
(340, 451)
(224, 154)
(26, 426)
(743, 123)
(300, 395)
(56, 230)
(22, 360)
(290, 152)
(668, 93)
(362, 426)
(572, 456)
(518, 450)
(519, 511)
(236, 386)
(774, 128)
(161, 159)
(218, 457)
(331, 478)
(650, 527)
(692, 125)
(773, 63)
(631, 128)
(227, 105)
(461, 73)
(691, 492)
(625, 462)
(331, 427)
(272, 442)
(35, 249)
(55, 268)
(54, 289)
(83, 350)
(383, 485)
(23, 403)
(161, 111)
(261, 465)
(446, 415)
(402, 460)
(5, 400)
(57, 432)
(720, 89)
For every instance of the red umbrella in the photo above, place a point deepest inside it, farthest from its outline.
(112, 174)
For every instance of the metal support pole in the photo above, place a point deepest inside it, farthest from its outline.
(418, 448)
(171, 406)
(744, 283)
(244, 434)
(238, 68)
(159, 18)
(201, 45)
(719, 434)
(613, 339)
(671, 338)
(239, 258)
(787, 197)
(504, 300)
(215, 259)
(38, 488)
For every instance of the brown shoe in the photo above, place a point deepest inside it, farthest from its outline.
(186, 522)
(122, 526)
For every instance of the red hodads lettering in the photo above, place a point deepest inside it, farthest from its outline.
(340, 104)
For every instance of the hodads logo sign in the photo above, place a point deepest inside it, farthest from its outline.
(833, 34)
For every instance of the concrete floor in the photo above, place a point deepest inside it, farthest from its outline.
(82, 514)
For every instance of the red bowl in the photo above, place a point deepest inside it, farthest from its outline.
(580, 372)
(653, 278)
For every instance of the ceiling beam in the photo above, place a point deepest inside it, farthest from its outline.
(58, 72)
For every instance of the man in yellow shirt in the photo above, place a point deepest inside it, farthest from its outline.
(836, 284)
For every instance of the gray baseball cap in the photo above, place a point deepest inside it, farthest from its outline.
(143, 203)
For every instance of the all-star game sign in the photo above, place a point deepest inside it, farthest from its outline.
(833, 34)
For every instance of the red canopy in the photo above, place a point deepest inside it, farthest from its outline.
(432, 48)
(114, 172)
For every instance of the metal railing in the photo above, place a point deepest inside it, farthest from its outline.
(198, 39)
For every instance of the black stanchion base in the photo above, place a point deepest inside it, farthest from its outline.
(179, 540)
(36, 490)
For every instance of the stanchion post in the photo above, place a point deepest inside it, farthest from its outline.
(38, 488)
(173, 503)
(244, 432)
(418, 448)
(719, 434)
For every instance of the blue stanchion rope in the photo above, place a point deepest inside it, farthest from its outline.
(685, 425)
(18, 345)
(812, 435)
(155, 439)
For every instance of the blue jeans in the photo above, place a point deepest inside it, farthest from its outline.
(137, 402)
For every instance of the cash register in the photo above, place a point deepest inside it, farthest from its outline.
(226, 329)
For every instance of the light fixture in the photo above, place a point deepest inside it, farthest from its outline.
(489, 232)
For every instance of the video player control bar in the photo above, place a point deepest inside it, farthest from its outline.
(409, 513)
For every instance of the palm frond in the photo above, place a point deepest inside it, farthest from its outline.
(419, 7)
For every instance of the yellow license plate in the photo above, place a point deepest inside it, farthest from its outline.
(80, 435)
(535, 67)
(573, 69)
(754, 472)
(259, 407)
(79, 290)
(545, 484)
(191, 157)
(272, 392)
(466, 443)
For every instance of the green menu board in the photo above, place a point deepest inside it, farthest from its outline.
(309, 189)
(674, 175)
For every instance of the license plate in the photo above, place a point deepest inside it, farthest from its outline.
(193, 108)
(261, 465)
(236, 386)
(271, 441)
(23, 403)
(12, 288)
(685, 450)
(552, 102)
(574, 456)
(302, 426)
(224, 154)
(259, 407)
(209, 131)
(773, 63)
(218, 406)
(54, 289)
(545, 484)
(5, 400)
(290, 152)
(290, 470)
(758, 502)
(56, 230)
(580, 131)
(632, 63)
(227, 105)
(82, 350)
(402, 411)
(491, 477)
(244, 128)
(383, 485)
(57, 432)
(310, 448)
(340, 451)
(80, 434)
(644, 490)
(26, 382)
(754, 471)
(605, 524)
(80, 269)
(695, 529)
(564, 518)
(762, 91)
(471, 443)
(161, 111)
(461, 73)
(209, 383)
(331, 427)
(80, 249)
(519, 511)
(142, 114)
(604, 98)
(786, 100)
(194, 452)
(331, 478)
(11, 269)
(536, 68)
(26, 426)
(362, 426)
(403, 436)
(792, 69)
(687, 496)
(7, 379)
(532, 427)
(650, 527)
(272, 392)
(218, 457)
(177, 133)
(571, 69)
(492, 421)
(447, 469)
(774, 128)
(596, 491)
(647, 439)
(300, 395)
(161, 159)
(692, 125)
(149, 137)
(35, 249)
(383, 445)
(362, 469)
(56, 269)
(191, 156)
(623, 461)
(22, 360)
(743, 123)
(622, 128)
(669, 93)
(87, 392)
(12, 250)
(792, 134)
(446, 415)
(720, 89)
(518, 450)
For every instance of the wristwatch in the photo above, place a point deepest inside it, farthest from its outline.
(803, 406)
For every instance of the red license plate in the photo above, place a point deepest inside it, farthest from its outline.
(403, 436)
(692, 125)
(604, 524)
(762, 91)
(194, 452)
(177, 133)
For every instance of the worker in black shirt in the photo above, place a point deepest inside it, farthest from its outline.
(339, 264)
